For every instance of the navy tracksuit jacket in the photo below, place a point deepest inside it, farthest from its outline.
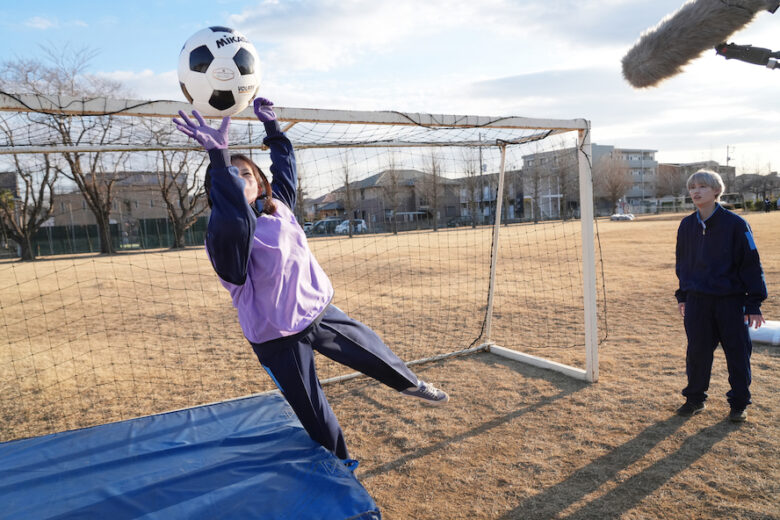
(721, 281)
(289, 360)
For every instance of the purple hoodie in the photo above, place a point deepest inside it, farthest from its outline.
(276, 284)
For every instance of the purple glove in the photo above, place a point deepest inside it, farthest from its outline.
(264, 110)
(209, 138)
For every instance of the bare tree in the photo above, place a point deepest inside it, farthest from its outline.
(431, 187)
(96, 175)
(511, 176)
(348, 190)
(671, 180)
(182, 191)
(64, 73)
(23, 213)
(533, 171)
(612, 179)
(515, 177)
(391, 190)
(471, 168)
(767, 184)
(566, 174)
(300, 196)
(760, 186)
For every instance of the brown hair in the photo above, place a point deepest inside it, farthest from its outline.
(269, 206)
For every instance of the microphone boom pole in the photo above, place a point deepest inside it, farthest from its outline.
(749, 54)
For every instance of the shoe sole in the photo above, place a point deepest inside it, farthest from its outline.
(436, 403)
(695, 412)
(428, 402)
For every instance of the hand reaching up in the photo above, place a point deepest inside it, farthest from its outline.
(209, 138)
(264, 110)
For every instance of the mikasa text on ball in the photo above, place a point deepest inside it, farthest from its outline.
(219, 71)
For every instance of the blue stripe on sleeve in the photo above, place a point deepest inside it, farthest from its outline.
(751, 243)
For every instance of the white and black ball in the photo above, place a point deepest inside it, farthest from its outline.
(219, 71)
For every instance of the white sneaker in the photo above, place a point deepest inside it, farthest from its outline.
(429, 394)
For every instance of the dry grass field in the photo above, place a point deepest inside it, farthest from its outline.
(93, 339)
(523, 443)
(515, 442)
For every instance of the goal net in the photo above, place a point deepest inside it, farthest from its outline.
(446, 234)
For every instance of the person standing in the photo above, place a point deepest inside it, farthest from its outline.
(721, 287)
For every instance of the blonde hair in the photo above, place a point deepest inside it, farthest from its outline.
(708, 178)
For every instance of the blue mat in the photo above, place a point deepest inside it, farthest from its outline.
(243, 459)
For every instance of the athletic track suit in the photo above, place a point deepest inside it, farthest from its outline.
(283, 296)
(721, 280)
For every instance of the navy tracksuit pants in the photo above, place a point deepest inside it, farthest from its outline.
(710, 320)
(290, 362)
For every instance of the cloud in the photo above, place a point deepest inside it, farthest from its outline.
(309, 35)
(564, 93)
(388, 40)
(327, 34)
(147, 84)
(529, 58)
(43, 24)
(709, 106)
(38, 22)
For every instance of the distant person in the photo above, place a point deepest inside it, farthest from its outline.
(282, 295)
(767, 205)
(719, 296)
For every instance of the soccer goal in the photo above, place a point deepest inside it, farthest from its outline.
(447, 234)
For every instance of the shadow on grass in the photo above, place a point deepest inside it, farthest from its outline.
(553, 500)
(766, 348)
(119, 253)
(566, 386)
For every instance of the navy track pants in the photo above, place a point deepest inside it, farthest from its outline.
(710, 320)
(290, 362)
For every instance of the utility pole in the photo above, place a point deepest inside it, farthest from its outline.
(481, 182)
(729, 180)
(642, 174)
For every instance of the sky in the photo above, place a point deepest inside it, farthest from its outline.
(533, 58)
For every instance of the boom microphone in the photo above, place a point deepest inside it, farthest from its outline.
(697, 26)
(749, 54)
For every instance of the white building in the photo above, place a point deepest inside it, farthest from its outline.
(642, 166)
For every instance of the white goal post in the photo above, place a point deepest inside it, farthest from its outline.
(591, 371)
(518, 280)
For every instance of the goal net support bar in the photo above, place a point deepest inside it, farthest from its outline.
(165, 109)
(591, 371)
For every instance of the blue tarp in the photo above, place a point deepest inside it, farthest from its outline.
(244, 459)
